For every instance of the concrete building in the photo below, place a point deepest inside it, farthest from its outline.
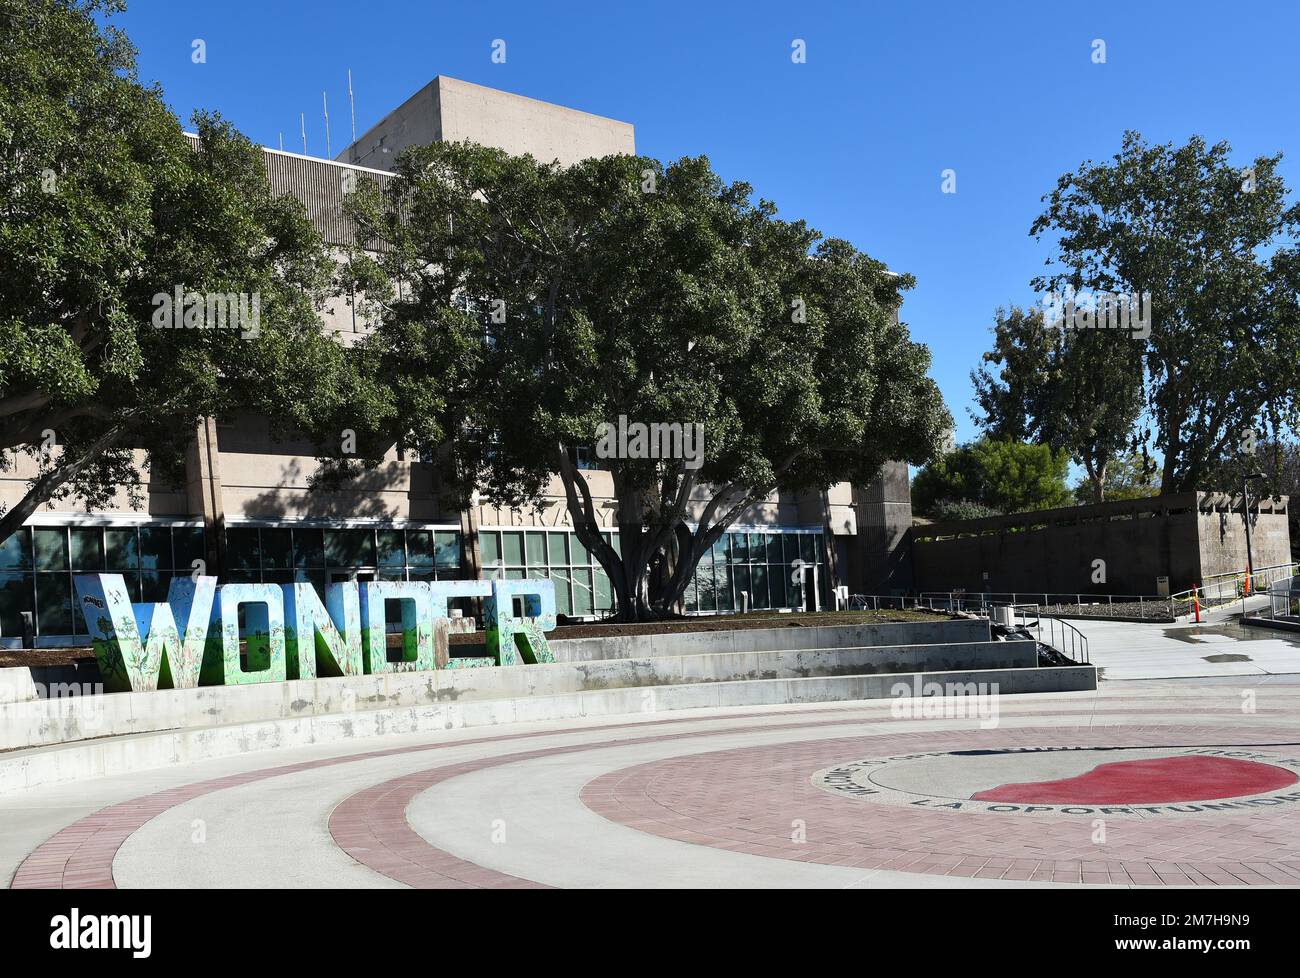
(246, 512)
(1185, 538)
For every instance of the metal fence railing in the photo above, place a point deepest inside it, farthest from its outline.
(1060, 635)
(1051, 602)
(1219, 590)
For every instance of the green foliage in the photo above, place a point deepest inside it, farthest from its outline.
(1215, 246)
(106, 204)
(960, 509)
(1001, 475)
(1131, 474)
(624, 287)
(1077, 390)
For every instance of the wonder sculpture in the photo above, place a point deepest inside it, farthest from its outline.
(193, 637)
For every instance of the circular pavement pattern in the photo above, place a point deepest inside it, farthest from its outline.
(1107, 781)
(1133, 785)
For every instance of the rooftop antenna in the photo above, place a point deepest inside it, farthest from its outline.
(353, 103)
(302, 121)
(329, 154)
(281, 142)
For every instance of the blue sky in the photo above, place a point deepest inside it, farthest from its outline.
(854, 140)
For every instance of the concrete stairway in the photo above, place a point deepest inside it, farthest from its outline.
(50, 737)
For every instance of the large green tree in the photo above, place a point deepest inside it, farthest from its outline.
(1077, 390)
(619, 287)
(1215, 246)
(104, 206)
(992, 475)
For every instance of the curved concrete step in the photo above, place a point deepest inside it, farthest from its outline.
(60, 719)
(108, 755)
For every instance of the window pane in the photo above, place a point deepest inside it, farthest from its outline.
(616, 543)
(120, 549)
(563, 605)
(187, 544)
(51, 549)
(447, 549)
(758, 578)
(582, 592)
(87, 548)
(54, 604)
(773, 543)
(419, 549)
(578, 551)
(156, 547)
(726, 600)
(15, 598)
(708, 591)
(557, 544)
(604, 593)
(807, 548)
(689, 598)
(309, 548)
(512, 546)
(490, 548)
(392, 548)
(791, 547)
(242, 551)
(350, 548)
(277, 549)
(778, 580)
(536, 549)
(154, 585)
(16, 552)
(740, 576)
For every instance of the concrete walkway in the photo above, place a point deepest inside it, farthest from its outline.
(1222, 647)
(718, 798)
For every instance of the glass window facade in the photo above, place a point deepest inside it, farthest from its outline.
(37, 565)
(324, 555)
(761, 564)
(582, 587)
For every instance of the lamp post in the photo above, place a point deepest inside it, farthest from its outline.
(1250, 558)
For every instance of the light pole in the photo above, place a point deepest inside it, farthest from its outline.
(1250, 558)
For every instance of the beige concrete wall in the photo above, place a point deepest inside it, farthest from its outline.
(159, 499)
(448, 109)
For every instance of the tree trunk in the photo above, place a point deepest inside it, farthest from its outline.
(49, 482)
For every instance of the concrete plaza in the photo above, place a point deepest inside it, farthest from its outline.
(734, 797)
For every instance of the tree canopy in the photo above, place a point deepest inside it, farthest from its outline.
(1214, 244)
(571, 297)
(1077, 390)
(108, 206)
(992, 476)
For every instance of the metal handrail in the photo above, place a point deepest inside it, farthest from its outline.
(1053, 600)
(1071, 642)
(1225, 588)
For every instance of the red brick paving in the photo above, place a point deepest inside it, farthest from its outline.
(748, 800)
(373, 829)
(81, 855)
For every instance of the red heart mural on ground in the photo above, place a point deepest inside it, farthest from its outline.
(1150, 780)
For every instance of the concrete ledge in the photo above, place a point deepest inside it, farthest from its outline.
(58, 720)
(117, 755)
(867, 634)
(1282, 624)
